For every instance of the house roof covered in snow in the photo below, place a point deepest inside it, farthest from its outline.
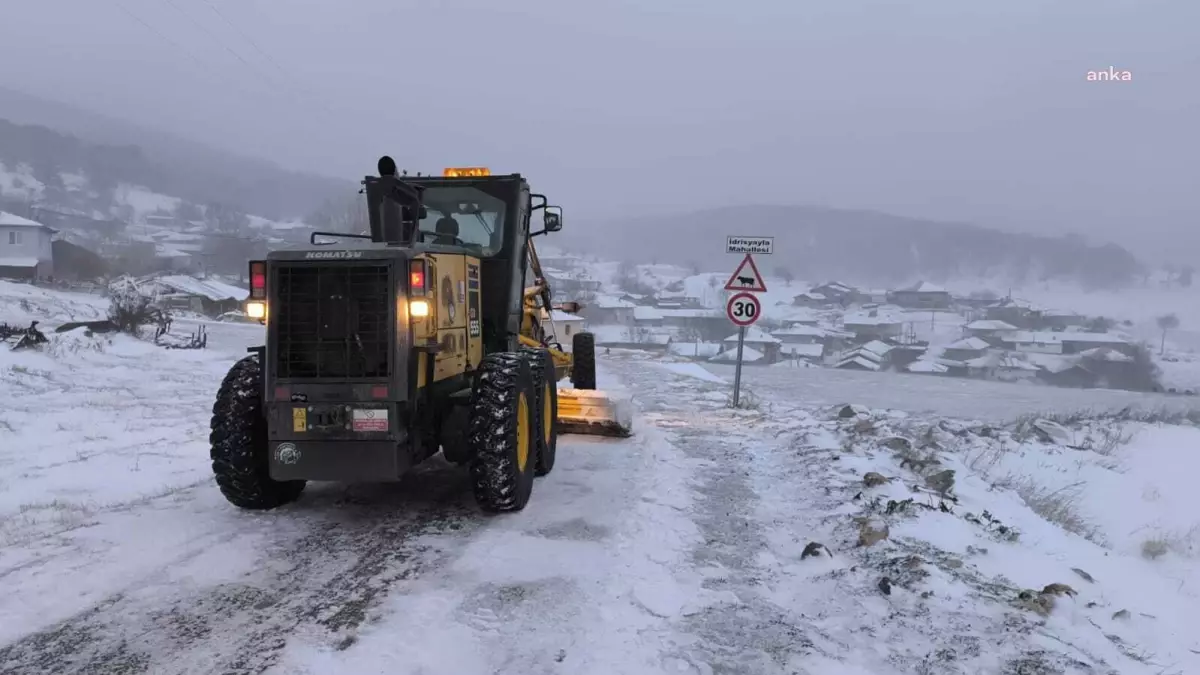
(754, 334)
(1001, 360)
(13, 220)
(922, 287)
(691, 313)
(559, 315)
(611, 302)
(643, 313)
(990, 324)
(835, 286)
(1048, 337)
(1013, 302)
(859, 360)
(876, 348)
(206, 288)
(748, 354)
(814, 350)
(1060, 314)
(800, 329)
(1106, 354)
(866, 319)
(971, 343)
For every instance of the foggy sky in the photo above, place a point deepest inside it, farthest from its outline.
(960, 110)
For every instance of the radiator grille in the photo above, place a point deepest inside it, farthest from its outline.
(331, 321)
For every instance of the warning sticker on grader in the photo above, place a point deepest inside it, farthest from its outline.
(299, 420)
(371, 419)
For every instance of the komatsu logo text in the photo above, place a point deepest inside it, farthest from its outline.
(332, 255)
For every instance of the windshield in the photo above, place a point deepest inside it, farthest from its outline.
(463, 216)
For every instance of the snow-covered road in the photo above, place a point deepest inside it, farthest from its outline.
(685, 549)
(120, 555)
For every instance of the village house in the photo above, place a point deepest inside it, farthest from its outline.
(562, 325)
(811, 299)
(677, 300)
(578, 282)
(704, 324)
(1068, 373)
(648, 317)
(813, 353)
(872, 356)
(607, 309)
(838, 293)
(902, 355)
(1054, 319)
(756, 339)
(966, 349)
(1016, 313)
(800, 334)
(203, 296)
(992, 331)
(1002, 366)
(792, 316)
(749, 355)
(921, 295)
(26, 250)
(1067, 342)
(873, 325)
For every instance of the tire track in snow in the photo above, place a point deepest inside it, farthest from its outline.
(748, 634)
(326, 581)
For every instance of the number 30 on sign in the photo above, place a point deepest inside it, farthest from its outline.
(743, 309)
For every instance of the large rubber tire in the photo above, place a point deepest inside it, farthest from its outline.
(239, 447)
(583, 367)
(501, 432)
(541, 365)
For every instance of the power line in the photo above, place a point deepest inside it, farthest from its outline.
(212, 36)
(159, 33)
(267, 78)
(246, 37)
(295, 82)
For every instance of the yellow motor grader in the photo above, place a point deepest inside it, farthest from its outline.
(433, 332)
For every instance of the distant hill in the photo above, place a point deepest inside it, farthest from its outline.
(824, 243)
(54, 137)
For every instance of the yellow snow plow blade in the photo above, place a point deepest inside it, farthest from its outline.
(593, 413)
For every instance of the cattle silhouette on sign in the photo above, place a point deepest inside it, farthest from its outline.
(746, 278)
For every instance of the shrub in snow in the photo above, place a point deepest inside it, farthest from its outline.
(73, 342)
(131, 307)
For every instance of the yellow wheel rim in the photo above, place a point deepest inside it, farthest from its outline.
(522, 432)
(547, 414)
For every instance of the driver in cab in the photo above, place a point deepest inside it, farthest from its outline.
(446, 229)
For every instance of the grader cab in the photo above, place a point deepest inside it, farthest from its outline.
(425, 335)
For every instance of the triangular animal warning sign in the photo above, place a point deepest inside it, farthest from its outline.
(746, 278)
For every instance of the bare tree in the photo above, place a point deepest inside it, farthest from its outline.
(1166, 322)
(785, 274)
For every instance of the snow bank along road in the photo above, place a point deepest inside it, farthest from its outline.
(714, 541)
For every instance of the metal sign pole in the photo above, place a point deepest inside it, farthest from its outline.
(737, 373)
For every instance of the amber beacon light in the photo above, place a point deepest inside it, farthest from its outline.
(466, 172)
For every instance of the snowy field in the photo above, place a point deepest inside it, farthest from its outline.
(793, 537)
(945, 396)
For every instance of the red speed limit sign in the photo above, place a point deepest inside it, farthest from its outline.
(743, 309)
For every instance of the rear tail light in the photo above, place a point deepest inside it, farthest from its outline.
(417, 277)
(258, 280)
